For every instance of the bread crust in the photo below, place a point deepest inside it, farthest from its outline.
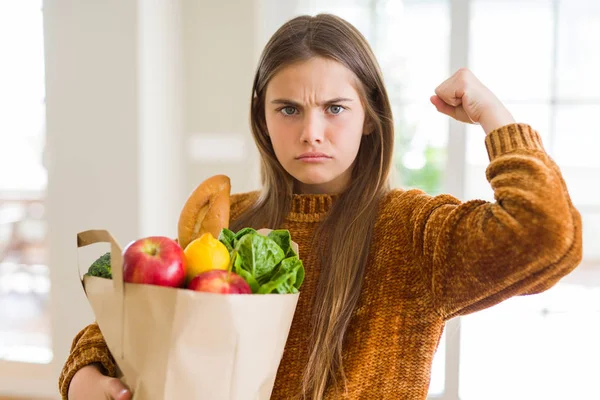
(206, 210)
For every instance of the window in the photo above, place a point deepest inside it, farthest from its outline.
(24, 275)
(412, 69)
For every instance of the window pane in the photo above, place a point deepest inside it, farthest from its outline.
(420, 148)
(24, 275)
(577, 136)
(413, 68)
(579, 49)
(21, 97)
(534, 347)
(476, 184)
(513, 61)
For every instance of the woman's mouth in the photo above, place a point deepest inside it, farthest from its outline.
(313, 157)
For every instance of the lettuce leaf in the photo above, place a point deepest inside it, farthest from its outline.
(287, 279)
(242, 233)
(227, 237)
(249, 278)
(268, 263)
(259, 255)
(283, 238)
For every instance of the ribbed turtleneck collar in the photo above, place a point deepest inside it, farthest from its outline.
(311, 207)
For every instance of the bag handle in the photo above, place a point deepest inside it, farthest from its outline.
(89, 237)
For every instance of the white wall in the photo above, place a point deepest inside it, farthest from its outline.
(223, 41)
(220, 58)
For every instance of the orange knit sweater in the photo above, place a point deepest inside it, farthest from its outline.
(431, 259)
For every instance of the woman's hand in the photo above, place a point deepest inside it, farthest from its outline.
(466, 99)
(90, 384)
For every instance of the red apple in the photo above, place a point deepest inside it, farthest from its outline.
(219, 281)
(154, 260)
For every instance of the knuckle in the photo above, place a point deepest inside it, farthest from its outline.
(464, 75)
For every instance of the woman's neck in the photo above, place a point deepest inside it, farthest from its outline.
(336, 186)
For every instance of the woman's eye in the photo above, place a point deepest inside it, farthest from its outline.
(336, 109)
(288, 110)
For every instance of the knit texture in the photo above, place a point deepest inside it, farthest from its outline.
(431, 259)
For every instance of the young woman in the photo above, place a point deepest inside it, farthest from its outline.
(385, 269)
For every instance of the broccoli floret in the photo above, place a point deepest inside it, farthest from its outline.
(101, 267)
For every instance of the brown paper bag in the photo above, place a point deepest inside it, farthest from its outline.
(180, 344)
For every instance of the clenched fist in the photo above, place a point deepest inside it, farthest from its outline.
(464, 98)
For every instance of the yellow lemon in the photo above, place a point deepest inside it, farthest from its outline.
(204, 254)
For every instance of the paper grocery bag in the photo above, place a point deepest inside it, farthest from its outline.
(180, 344)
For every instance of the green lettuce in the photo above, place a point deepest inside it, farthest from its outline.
(284, 240)
(227, 237)
(268, 263)
(287, 279)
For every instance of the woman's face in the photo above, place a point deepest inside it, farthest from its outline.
(315, 121)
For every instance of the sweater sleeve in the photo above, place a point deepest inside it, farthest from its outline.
(88, 347)
(476, 254)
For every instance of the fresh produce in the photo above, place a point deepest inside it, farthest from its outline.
(206, 210)
(219, 281)
(101, 267)
(209, 257)
(268, 263)
(204, 254)
(154, 260)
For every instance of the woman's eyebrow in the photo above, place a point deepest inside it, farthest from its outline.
(296, 104)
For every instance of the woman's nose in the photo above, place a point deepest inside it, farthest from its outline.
(313, 129)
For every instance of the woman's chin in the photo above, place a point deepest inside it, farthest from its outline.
(317, 185)
(313, 180)
(320, 180)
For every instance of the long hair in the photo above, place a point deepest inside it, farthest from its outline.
(348, 228)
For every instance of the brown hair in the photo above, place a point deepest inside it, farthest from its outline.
(346, 234)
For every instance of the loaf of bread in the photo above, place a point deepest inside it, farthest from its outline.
(206, 210)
